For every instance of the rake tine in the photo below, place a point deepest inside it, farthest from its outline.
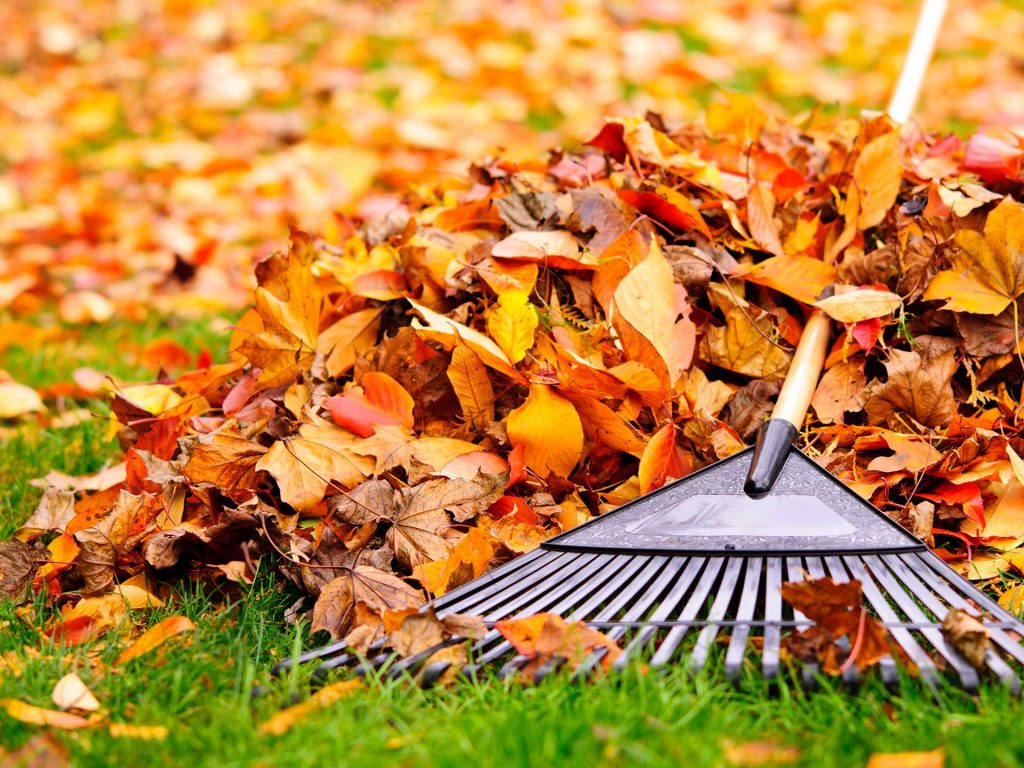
(772, 613)
(409, 662)
(496, 578)
(651, 566)
(526, 608)
(488, 600)
(634, 609)
(924, 664)
(968, 675)
(992, 659)
(723, 599)
(317, 653)
(748, 600)
(550, 666)
(693, 606)
(433, 673)
(887, 665)
(795, 572)
(944, 590)
(677, 591)
(816, 568)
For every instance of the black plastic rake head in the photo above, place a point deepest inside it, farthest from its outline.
(698, 564)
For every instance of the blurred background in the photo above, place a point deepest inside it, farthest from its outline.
(150, 150)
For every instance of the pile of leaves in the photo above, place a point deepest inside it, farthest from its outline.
(150, 150)
(513, 352)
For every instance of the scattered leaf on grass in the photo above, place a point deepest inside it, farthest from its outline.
(33, 715)
(759, 753)
(934, 759)
(71, 693)
(156, 636)
(286, 719)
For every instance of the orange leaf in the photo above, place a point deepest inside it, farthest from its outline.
(934, 759)
(662, 460)
(155, 636)
(800, 277)
(550, 431)
(27, 713)
(667, 206)
(382, 402)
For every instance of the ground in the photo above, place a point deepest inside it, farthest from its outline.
(202, 692)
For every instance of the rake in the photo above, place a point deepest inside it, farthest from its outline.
(669, 573)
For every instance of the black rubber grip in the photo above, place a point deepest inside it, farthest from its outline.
(774, 439)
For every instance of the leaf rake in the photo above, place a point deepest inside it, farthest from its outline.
(702, 562)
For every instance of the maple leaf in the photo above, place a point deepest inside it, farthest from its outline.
(103, 544)
(379, 591)
(744, 344)
(226, 459)
(305, 465)
(918, 384)
(18, 562)
(544, 636)
(988, 269)
(280, 336)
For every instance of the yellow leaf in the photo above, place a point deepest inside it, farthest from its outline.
(156, 636)
(1016, 463)
(18, 400)
(757, 753)
(286, 719)
(348, 339)
(27, 713)
(864, 304)
(142, 732)
(649, 299)
(740, 117)
(449, 333)
(988, 269)
(550, 431)
(877, 174)
(472, 386)
(512, 323)
(1012, 600)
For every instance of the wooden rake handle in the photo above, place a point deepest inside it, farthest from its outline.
(776, 435)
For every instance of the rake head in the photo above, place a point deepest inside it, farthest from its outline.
(697, 565)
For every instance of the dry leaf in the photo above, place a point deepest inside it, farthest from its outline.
(877, 174)
(756, 753)
(71, 693)
(934, 759)
(283, 721)
(967, 635)
(512, 323)
(156, 636)
(27, 713)
(550, 431)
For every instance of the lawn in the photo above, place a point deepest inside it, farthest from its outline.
(201, 691)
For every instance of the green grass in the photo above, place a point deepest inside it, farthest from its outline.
(201, 690)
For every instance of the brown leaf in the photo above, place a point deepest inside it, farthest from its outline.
(918, 384)
(335, 608)
(967, 635)
(743, 344)
(841, 389)
(104, 544)
(225, 459)
(544, 636)
(55, 510)
(419, 525)
(370, 502)
(219, 541)
(416, 633)
(18, 564)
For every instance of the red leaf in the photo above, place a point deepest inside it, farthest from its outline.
(866, 332)
(516, 465)
(992, 159)
(662, 460)
(967, 494)
(513, 505)
(660, 209)
(382, 402)
(611, 141)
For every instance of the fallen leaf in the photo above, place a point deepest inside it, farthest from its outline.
(156, 636)
(550, 431)
(71, 693)
(918, 384)
(32, 715)
(756, 753)
(283, 721)
(512, 323)
(334, 610)
(18, 400)
(863, 304)
(877, 174)
(987, 269)
(379, 402)
(472, 386)
(933, 759)
(967, 635)
(140, 732)
(801, 277)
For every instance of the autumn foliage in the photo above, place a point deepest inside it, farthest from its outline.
(508, 354)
